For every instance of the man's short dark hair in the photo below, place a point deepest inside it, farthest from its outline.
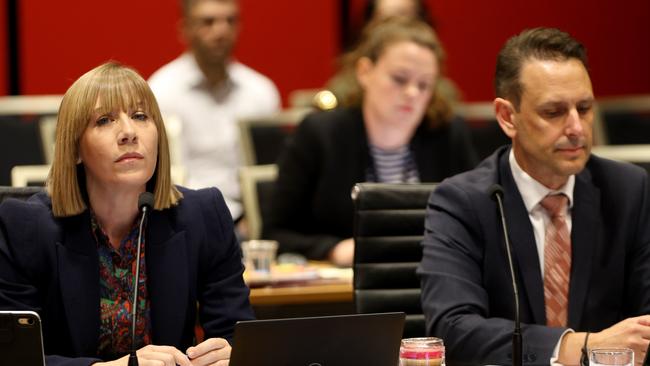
(538, 43)
(186, 5)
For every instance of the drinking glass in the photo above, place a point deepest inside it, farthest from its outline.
(424, 351)
(611, 356)
(259, 255)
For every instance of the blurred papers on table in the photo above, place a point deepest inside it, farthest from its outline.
(313, 273)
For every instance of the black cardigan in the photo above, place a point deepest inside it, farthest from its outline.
(311, 207)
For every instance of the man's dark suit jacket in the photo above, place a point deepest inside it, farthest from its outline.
(327, 155)
(51, 266)
(466, 289)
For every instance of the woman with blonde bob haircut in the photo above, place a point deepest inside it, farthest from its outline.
(71, 253)
(117, 86)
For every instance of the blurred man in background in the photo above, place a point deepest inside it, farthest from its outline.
(209, 92)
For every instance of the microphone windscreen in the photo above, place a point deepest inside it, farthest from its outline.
(145, 199)
(495, 190)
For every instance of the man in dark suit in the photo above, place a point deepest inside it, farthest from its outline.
(583, 268)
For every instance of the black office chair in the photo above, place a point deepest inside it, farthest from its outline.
(484, 129)
(22, 193)
(263, 138)
(20, 144)
(388, 229)
(257, 182)
(626, 120)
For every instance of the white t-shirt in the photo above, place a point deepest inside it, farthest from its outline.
(210, 147)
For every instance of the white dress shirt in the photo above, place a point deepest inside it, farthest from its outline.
(211, 152)
(533, 192)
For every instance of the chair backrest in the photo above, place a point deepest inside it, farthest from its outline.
(22, 193)
(174, 129)
(263, 138)
(635, 154)
(626, 120)
(257, 186)
(36, 175)
(47, 129)
(388, 229)
(29, 175)
(22, 141)
(484, 128)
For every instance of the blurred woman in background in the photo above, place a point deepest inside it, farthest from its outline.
(71, 253)
(382, 9)
(343, 83)
(393, 127)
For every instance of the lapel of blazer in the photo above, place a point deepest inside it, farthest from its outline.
(523, 243)
(78, 265)
(585, 226)
(167, 278)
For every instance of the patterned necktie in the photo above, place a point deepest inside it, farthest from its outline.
(557, 261)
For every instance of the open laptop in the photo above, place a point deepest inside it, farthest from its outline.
(341, 340)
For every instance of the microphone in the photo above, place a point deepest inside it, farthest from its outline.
(496, 192)
(145, 203)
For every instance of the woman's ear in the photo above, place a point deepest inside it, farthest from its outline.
(362, 70)
(505, 114)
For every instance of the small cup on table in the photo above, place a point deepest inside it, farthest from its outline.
(611, 356)
(424, 351)
(259, 255)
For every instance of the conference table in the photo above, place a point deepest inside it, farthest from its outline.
(292, 291)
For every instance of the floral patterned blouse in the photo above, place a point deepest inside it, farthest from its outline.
(116, 272)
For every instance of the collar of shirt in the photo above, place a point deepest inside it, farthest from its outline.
(196, 78)
(532, 191)
(127, 249)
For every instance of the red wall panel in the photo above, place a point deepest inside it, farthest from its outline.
(295, 42)
(616, 34)
(63, 39)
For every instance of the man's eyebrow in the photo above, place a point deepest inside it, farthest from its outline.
(553, 103)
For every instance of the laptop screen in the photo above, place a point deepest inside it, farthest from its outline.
(342, 340)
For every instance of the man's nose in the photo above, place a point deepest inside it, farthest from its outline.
(574, 123)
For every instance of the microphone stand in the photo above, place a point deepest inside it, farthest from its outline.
(517, 343)
(133, 357)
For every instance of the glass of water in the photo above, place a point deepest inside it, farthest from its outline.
(259, 255)
(611, 356)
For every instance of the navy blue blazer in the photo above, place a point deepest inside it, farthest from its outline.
(466, 292)
(51, 266)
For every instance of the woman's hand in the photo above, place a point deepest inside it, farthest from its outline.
(211, 352)
(343, 253)
(153, 356)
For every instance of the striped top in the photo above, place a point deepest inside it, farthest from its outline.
(393, 166)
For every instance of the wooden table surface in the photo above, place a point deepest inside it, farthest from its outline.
(302, 294)
(335, 287)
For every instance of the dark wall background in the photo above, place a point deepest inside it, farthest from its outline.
(3, 47)
(295, 42)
